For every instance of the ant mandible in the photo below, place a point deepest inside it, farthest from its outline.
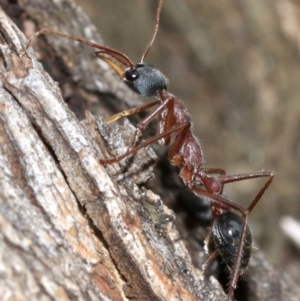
(229, 235)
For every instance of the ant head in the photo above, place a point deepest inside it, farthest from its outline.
(142, 78)
(145, 80)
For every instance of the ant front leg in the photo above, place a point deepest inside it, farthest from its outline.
(131, 112)
(143, 145)
(139, 128)
(143, 124)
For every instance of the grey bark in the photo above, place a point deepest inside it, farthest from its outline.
(70, 228)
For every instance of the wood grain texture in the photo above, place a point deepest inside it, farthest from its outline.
(70, 228)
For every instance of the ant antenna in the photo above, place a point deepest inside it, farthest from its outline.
(122, 58)
(154, 31)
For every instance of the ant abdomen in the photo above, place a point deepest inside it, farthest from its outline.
(145, 80)
(226, 234)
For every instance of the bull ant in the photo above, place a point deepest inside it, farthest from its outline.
(229, 235)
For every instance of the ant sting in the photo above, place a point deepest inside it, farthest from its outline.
(229, 236)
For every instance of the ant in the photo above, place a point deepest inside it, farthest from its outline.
(229, 235)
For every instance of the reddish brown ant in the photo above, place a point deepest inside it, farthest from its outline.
(229, 235)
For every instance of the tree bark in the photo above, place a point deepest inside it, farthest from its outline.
(70, 228)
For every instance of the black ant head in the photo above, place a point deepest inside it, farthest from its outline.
(141, 78)
(145, 80)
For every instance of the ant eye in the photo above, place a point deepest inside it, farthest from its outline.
(131, 75)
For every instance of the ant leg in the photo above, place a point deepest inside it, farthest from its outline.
(215, 184)
(218, 201)
(225, 204)
(261, 192)
(211, 183)
(246, 176)
(236, 267)
(219, 171)
(146, 143)
(200, 178)
(143, 124)
(125, 113)
(209, 260)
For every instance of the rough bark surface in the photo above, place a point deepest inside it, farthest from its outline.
(70, 228)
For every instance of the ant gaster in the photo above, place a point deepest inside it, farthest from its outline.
(229, 235)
